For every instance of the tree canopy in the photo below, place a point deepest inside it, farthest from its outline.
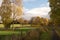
(55, 11)
(6, 13)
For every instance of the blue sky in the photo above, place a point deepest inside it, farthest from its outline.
(35, 3)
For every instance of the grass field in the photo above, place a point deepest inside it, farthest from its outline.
(14, 25)
(16, 31)
(8, 32)
(44, 35)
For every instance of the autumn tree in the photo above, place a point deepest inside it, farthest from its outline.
(44, 21)
(55, 11)
(26, 22)
(17, 8)
(39, 21)
(17, 11)
(21, 21)
(35, 21)
(6, 13)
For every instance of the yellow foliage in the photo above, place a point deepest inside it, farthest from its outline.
(19, 10)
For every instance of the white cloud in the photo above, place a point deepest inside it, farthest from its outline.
(41, 11)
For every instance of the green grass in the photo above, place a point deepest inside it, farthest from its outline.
(44, 35)
(8, 32)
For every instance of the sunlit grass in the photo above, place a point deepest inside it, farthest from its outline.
(13, 25)
(1, 25)
(16, 25)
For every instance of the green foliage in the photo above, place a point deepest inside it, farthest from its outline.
(55, 11)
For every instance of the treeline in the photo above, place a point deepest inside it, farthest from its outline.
(34, 20)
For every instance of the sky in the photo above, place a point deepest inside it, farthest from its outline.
(32, 8)
(34, 3)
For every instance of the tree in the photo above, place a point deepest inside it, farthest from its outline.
(55, 11)
(17, 9)
(21, 21)
(55, 17)
(26, 22)
(6, 13)
(44, 21)
(35, 21)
